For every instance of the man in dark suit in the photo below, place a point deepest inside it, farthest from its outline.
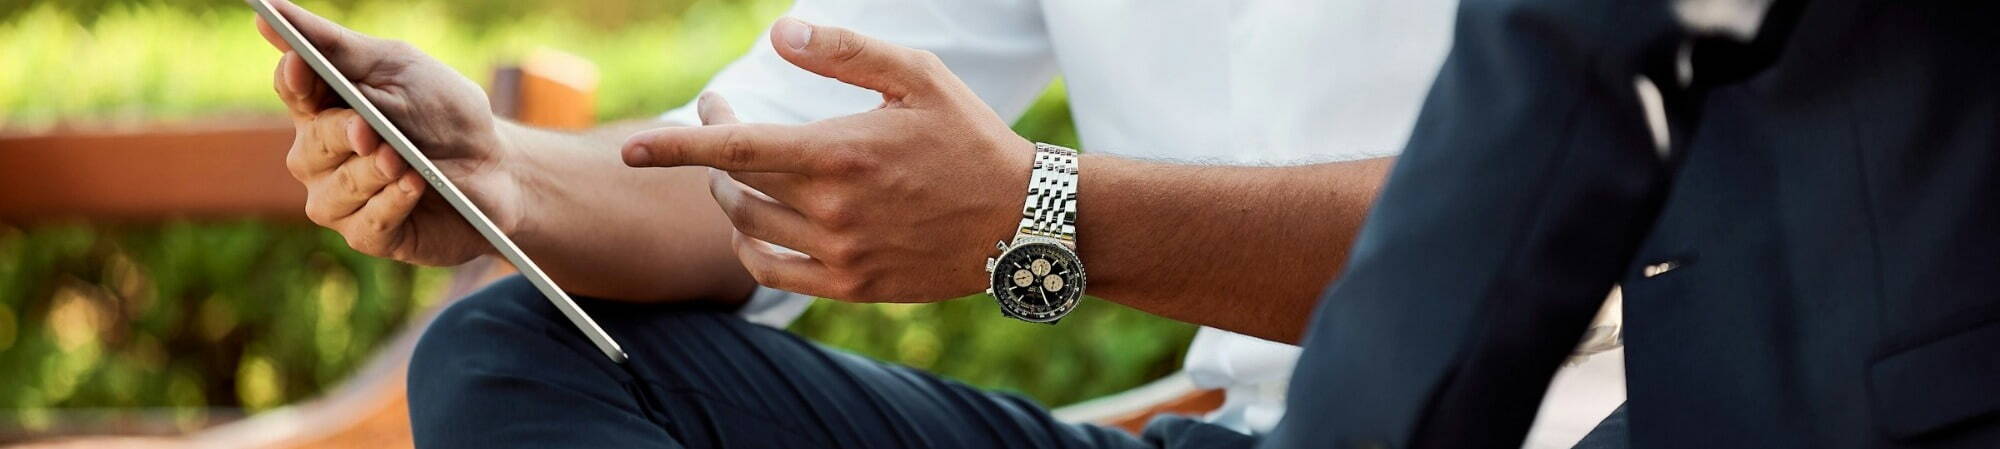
(1812, 265)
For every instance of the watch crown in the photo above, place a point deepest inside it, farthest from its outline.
(991, 263)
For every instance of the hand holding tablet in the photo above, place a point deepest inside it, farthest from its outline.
(455, 128)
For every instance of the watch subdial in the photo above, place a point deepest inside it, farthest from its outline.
(1022, 278)
(1037, 281)
(1040, 267)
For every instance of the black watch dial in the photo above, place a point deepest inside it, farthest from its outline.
(1038, 281)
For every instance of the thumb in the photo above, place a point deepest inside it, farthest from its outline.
(895, 71)
(714, 110)
(349, 51)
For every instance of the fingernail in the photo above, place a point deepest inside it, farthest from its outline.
(357, 140)
(409, 185)
(794, 32)
(637, 156)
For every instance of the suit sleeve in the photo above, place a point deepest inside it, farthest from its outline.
(1527, 185)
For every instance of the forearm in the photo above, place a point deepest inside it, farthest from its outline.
(1246, 249)
(603, 229)
(901, 203)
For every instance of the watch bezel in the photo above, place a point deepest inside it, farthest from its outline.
(1015, 307)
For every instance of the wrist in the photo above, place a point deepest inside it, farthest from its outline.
(1018, 166)
(999, 203)
(1038, 276)
(514, 179)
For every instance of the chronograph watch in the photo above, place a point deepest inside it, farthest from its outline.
(1038, 277)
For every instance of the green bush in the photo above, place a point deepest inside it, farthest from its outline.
(231, 314)
(141, 60)
(252, 314)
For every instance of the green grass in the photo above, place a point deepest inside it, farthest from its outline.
(250, 314)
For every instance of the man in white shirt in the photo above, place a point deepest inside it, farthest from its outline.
(1245, 83)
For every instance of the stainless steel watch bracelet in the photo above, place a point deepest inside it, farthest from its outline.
(1051, 208)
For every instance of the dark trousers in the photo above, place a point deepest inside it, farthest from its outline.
(502, 369)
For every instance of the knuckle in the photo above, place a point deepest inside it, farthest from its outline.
(329, 130)
(745, 222)
(836, 215)
(929, 68)
(378, 225)
(337, 46)
(927, 61)
(736, 148)
(844, 252)
(848, 46)
(318, 214)
(399, 47)
(763, 273)
(848, 163)
(336, 123)
(851, 287)
(367, 244)
(659, 149)
(295, 162)
(370, 235)
(343, 180)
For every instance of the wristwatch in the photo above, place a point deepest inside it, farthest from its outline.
(1038, 277)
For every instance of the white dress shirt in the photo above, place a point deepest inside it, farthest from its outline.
(1229, 82)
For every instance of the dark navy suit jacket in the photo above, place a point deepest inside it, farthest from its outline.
(1825, 236)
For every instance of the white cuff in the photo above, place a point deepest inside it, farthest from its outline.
(774, 307)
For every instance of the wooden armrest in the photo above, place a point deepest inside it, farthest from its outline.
(151, 172)
(1130, 410)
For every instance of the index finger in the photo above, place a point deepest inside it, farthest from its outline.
(325, 141)
(271, 36)
(732, 147)
(853, 58)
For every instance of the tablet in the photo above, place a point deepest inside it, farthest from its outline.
(443, 186)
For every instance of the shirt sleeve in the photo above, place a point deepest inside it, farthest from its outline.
(1527, 185)
(1000, 48)
(774, 307)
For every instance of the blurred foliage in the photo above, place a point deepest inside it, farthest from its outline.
(1099, 349)
(478, 15)
(129, 60)
(236, 314)
(186, 315)
(147, 60)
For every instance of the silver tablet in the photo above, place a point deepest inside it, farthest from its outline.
(442, 185)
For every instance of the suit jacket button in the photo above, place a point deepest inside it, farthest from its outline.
(1660, 268)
